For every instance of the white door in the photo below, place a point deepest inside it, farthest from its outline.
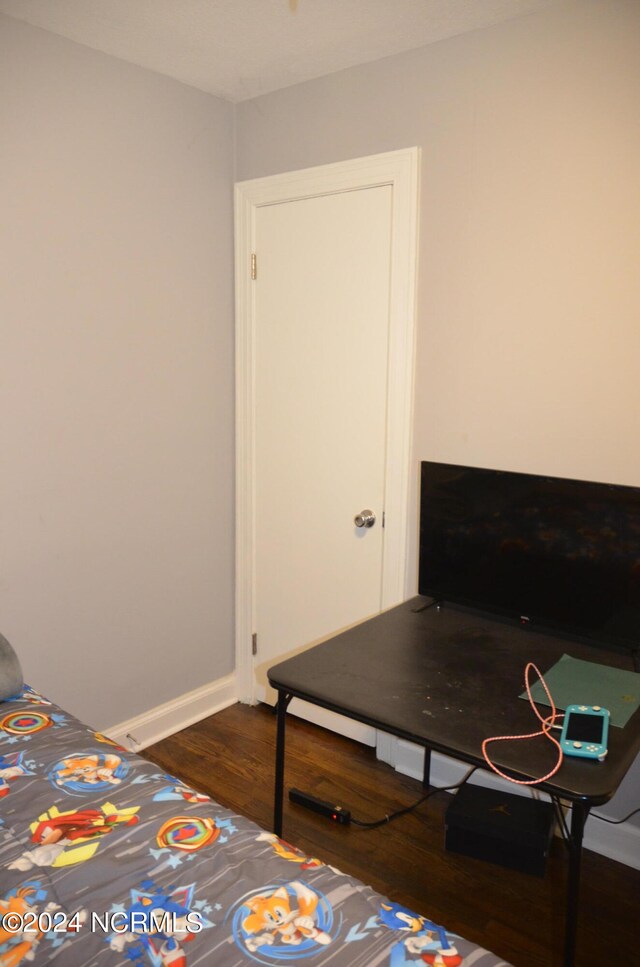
(321, 338)
(324, 401)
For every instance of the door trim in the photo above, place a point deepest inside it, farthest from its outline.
(400, 169)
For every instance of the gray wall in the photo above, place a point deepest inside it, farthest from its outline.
(529, 291)
(116, 406)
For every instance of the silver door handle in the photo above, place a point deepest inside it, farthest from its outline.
(366, 518)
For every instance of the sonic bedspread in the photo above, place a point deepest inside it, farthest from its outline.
(105, 862)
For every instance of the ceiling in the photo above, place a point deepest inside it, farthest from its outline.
(239, 49)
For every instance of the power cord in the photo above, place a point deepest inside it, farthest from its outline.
(616, 822)
(547, 722)
(407, 809)
(562, 821)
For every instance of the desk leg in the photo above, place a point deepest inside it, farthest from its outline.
(426, 773)
(579, 813)
(283, 704)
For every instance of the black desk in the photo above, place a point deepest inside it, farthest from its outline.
(447, 678)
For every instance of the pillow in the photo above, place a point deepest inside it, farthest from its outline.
(11, 680)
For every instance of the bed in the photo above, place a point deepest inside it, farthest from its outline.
(107, 861)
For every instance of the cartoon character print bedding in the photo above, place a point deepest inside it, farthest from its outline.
(105, 862)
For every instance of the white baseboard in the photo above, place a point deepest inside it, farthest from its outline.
(621, 843)
(364, 734)
(149, 727)
(408, 758)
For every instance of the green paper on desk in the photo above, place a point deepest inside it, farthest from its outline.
(575, 682)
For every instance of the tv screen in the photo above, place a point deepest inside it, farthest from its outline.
(562, 554)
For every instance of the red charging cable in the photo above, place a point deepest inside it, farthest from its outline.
(548, 723)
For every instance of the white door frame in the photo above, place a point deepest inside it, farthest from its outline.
(400, 169)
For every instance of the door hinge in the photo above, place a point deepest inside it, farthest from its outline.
(254, 266)
(384, 517)
(254, 644)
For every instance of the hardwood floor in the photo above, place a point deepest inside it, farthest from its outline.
(230, 756)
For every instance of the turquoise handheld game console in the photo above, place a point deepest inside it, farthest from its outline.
(585, 731)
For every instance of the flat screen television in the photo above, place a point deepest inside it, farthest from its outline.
(560, 554)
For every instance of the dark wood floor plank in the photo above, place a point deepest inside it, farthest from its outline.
(230, 756)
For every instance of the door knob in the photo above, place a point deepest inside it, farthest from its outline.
(366, 518)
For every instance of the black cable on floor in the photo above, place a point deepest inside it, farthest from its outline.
(408, 809)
